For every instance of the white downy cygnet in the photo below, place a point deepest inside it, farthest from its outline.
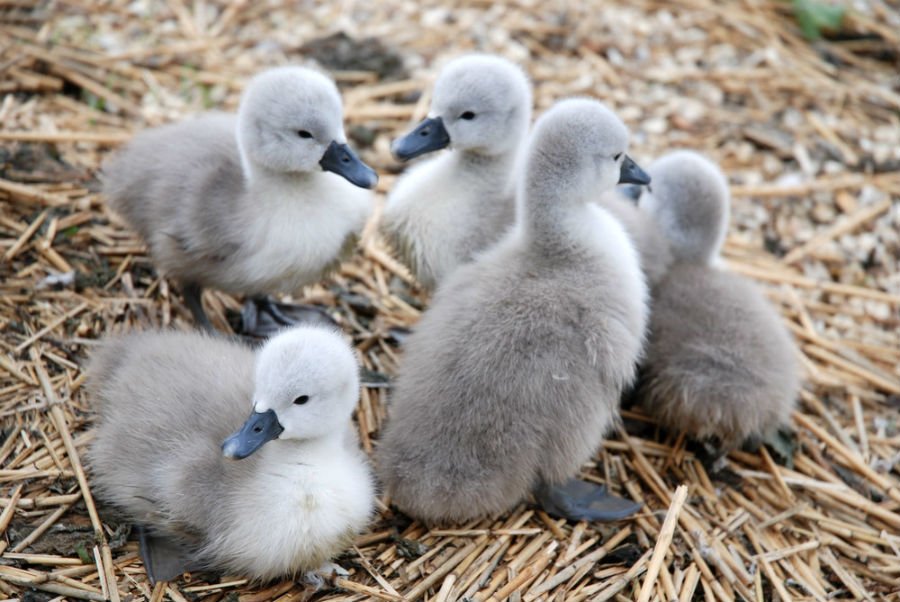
(268, 200)
(513, 375)
(167, 401)
(719, 363)
(443, 211)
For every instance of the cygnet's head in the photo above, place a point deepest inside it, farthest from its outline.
(306, 387)
(291, 121)
(690, 202)
(481, 103)
(579, 147)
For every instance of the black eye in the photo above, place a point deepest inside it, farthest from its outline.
(301, 400)
(304, 134)
(468, 116)
(617, 156)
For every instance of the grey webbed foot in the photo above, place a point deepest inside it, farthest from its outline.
(579, 500)
(193, 298)
(164, 560)
(263, 316)
(399, 334)
(324, 575)
(712, 455)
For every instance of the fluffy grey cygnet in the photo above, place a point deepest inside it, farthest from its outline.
(513, 375)
(166, 402)
(719, 363)
(249, 203)
(443, 211)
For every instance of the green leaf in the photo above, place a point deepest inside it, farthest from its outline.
(206, 96)
(93, 101)
(814, 16)
(82, 552)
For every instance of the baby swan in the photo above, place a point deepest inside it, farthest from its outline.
(719, 362)
(245, 203)
(166, 401)
(513, 375)
(443, 211)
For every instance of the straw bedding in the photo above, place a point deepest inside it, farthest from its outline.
(807, 130)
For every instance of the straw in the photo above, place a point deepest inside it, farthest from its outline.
(807, 133)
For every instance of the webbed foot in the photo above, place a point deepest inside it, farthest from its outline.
(579, 500)
(399, 334)
(193, 299)
(164, 559)
(325, 574)
(263, 316)
(712, 454)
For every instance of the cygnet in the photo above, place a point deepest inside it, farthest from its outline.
(513, 375)
(167, 401)
(443, 211)
(720, 363)
(268, 200)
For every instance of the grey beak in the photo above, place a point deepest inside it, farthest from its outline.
(632, 192)
(340, 159)
(428, 136)
(631, 173)
(259, 429)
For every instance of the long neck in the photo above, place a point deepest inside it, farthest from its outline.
(301, 451)
(272, 188)
(256, 175)
(496, 171)
(550, 202)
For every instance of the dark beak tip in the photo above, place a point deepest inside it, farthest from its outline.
(399, 153)
(403, 149)
(368, 182)
(430, 135)
(253, 434)
(230, 452)
(231, 447)
(341, 160)
(631, 173)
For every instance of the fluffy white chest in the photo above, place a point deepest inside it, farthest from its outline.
(429, 217)
(297, 513)
(297, 231)
(597, 229)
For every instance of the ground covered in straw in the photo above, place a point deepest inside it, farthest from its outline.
(808, 132)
